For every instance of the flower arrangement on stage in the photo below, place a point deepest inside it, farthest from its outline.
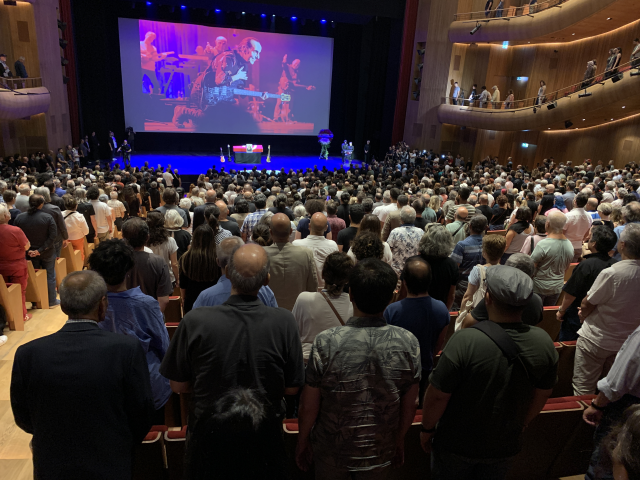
(324, 138)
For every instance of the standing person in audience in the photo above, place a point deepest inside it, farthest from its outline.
(162, 244)
(518, 233)
(97, 388)
(315, 241)
(457, 227)
(608, 313)
(420, 314)
(435, 247)
(346, 236)
(132, 313)
(13, 265)
(293, 268)
(419, 206)
(225, 222)
(150, 272)
(56, 212)
(173, 225)
(479, 402)
(198, 212)
(242, 343)
(630, 214)
(316, 312)
(578, 224)
(199, 266)
(220, 292)
(467, 254)
(371, 224)
(336, 223)
(393, 219)
(40, 230)
(332, 434)
(405, 239)
(493, 247)
(584, 275)
(461, 201)
(102, 215)
(170, 199)
(552, 257)
(618, 392)
(540, 234)
(76, 224)
(253, 218)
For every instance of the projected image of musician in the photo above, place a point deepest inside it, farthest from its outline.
(289, 83)
(148, 58)
(220, 47)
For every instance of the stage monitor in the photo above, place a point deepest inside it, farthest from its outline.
(190, 78)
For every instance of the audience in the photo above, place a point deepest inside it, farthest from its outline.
(162, 244)
(405, 239)
(435, 247)
(315, 241)
(467, 254)
(457, 227)
(199, 267)
(76, 224)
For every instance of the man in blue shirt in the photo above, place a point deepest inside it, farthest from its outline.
(467, 254)
(221, 291)
(425, 317)
(133, 313)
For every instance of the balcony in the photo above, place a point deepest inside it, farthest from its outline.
(22, 97)
(595, 102)
(545, 22)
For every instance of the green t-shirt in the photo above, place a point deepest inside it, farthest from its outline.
(553, 257)
(490, 398)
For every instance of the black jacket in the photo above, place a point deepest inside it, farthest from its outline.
(198, 215)
(85, 413)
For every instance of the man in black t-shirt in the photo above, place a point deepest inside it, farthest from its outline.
(484, 207)
(346, 235)
(226, 222)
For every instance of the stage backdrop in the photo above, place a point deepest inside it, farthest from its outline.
(191, 78)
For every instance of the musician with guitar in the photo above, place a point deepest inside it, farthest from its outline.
(149, 56)
(289, 83)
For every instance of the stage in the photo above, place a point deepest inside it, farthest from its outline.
(195, 164)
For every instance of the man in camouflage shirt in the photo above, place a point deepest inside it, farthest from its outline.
(361, 386)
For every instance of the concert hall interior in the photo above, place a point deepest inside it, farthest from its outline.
(420, 135)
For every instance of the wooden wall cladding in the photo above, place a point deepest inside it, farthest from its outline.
(18, 36)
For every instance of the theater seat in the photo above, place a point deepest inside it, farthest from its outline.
(174, 442)
(88, 250)
(502, 233)
(11, 300)
(171, 328)
(149, 459)
(173, 312)
(37, 289)
(61, 270)
(550, 323)
(73, 258)
(569, 272)
(565, 370)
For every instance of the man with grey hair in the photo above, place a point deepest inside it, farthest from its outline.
(61, 228)
(630, 214)
(609, 314)
(404, 240)
(220, 292)
(22, 199)
(68, 368)
(242, 343)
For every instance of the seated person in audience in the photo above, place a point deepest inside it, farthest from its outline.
(618, 391)
(478, 402)
(149, 272)
(133, 313)
(199, 267)
(316, 312)
(98, 397)
(220, 292)
(331, 423)
(420, 314)
(242, 343)
(609, 313)
(602, 241)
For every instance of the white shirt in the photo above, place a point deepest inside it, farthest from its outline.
(165, 250)
(615, 294)
(385, 211)
(387, 256)
(321, 248)
(314, 315)
(624, 376)
(578, 222)
(102, 212)
(168, 178)
(76, 224)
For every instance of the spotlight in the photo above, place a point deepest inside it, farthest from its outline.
(617, 78)
(218, 10)
(568, 124)
(624, 106)
(323, 21)
(585, 94)
(183, 7)
(62, 25)
(243, 13)
(64, 61)
(475, 29)
(263, 15)
(148, 3)
(294, 18)
(274, 16)
(63, 43)
(552, 105)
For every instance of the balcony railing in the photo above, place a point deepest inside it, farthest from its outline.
(15, 83)
(537, 102)
(508, 11)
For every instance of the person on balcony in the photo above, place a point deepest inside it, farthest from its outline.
(4, 68)
(541, 93)
(495, 98)
(21, 70)
(510, 100)
(487, 8)
(611, 59)
(499, 9)
(474, 94)
(616, 60)
(484, 97)
(589, 74)
(635, 54)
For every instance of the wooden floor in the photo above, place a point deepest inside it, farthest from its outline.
(15, 456)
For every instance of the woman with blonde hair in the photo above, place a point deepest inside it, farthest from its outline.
(434, 204)
(371, 223)
(173, 222)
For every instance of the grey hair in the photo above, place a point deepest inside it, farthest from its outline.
(631, 238)
(522, 262)
(245, 285)
(556, 222)
(24, 189)
(436, 242)
(631, 212)
(4, 211)
(185, 203)
(299, 211)
(82, 297)
(226, 249)
(622, 192)
(44, 191)
(80, 194)
(113, 195)
(172, 219)
(408, 215)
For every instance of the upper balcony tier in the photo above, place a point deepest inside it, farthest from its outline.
(552, 21)
(22, 98)
(595, 102)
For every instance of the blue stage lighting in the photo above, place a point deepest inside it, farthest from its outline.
(323, 21)
(263, 15)
(294, 18)
(183, 7)
(218, 10)
(148, 3)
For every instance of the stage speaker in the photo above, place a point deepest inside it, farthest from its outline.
(568, 124)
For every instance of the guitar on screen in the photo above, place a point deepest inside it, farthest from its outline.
(213, 95)
(221, 156)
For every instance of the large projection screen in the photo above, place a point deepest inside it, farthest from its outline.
(180, 77)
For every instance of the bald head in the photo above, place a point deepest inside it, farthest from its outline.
(210, 196)
(280, 228)
(318, 224)
(223, 210)
(555, 222)
(592, 204)
(462, 213)
(248, 270)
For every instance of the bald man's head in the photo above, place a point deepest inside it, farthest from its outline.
(248, 270)
(280, 228)
(555, 222)
(318, 224)
(223, 210)
(462, 213)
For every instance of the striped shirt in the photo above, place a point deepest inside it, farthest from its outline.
(467, 254)
(251, 221)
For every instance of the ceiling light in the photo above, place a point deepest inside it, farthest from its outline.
(549, 128)
(609, 18)
(583, 119)
(573, 34)
(612, 119)
(623, 106)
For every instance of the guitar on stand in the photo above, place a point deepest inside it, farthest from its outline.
(269, 155)
(229, 152)
(221, 156)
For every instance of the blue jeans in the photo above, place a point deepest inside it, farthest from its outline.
(47, 260)
(449, 466)
(613, 414)
(570, 326)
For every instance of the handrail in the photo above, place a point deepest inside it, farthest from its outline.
(547, 98)
(507, 12)
(17, 82)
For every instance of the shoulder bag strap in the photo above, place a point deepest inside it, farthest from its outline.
(459, 228)
(326, 297)
(503, 340)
